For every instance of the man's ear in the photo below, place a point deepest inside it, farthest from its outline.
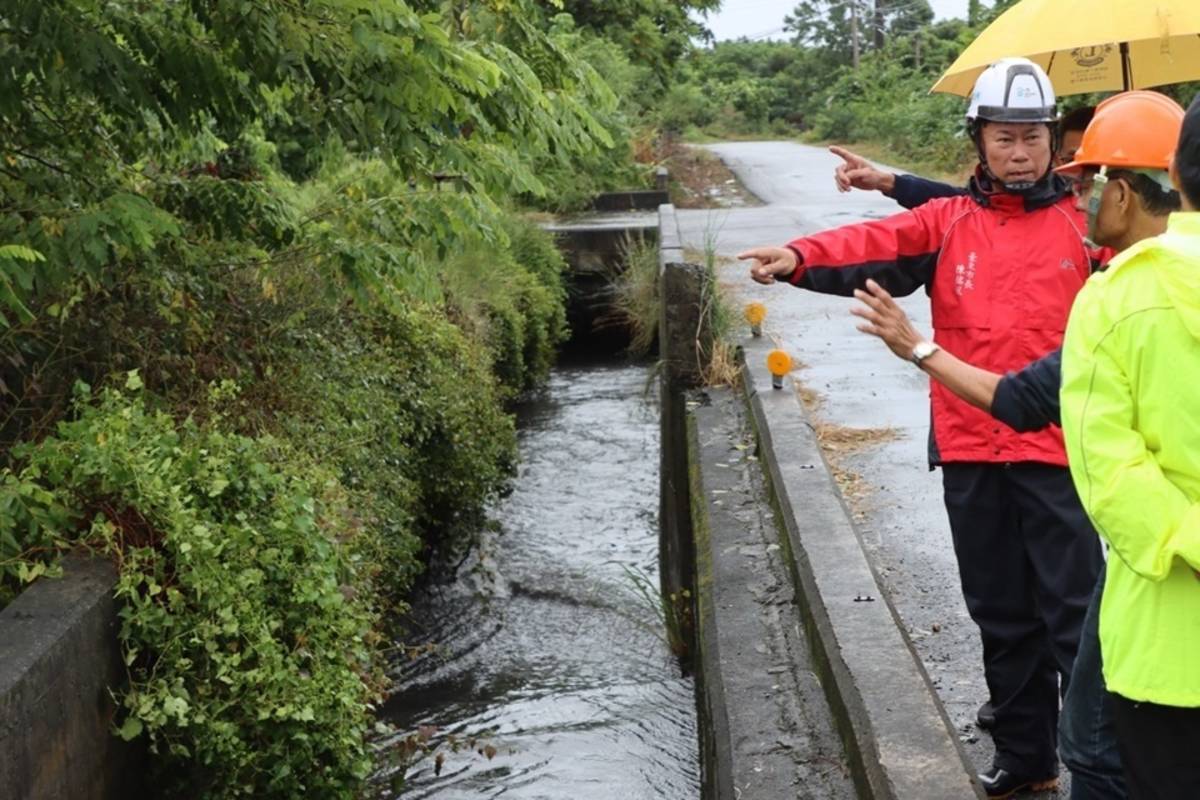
(1173, 174)
(1125, 194)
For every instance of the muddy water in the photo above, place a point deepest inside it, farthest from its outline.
(544, 654)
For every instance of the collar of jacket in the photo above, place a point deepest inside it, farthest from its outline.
(1046, 192)
(1184, 223)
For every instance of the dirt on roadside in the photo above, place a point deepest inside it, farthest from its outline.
(700, 180)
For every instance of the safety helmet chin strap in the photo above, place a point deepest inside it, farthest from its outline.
(1096, 195)
(1093, 206)
(975, 129)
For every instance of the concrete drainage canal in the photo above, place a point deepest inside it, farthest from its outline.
(549, 674)
(554, 670)
(550, 671)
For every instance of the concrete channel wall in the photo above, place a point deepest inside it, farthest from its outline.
(767, 729)
(680, 329)
(58, 658)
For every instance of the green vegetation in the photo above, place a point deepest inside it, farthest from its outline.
(637, 303)
(672, 613)
(265, 290)
(233, 586)
(811, 85)
(718, 348)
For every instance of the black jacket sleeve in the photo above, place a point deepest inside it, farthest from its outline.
(911, 191)
(1028, 400)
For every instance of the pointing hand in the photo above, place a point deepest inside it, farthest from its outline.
(855, 172)
(770, 263)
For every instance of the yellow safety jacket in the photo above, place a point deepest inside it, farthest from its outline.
(1131, 420)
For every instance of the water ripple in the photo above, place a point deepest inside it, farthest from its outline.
(560, 666)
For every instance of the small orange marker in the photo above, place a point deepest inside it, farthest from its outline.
(780, 364)
(755, 314)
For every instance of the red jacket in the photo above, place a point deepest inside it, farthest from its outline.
(1001, 271)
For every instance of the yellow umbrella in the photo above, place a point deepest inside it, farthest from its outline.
(1089, 45)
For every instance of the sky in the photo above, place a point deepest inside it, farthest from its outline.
(764, 18)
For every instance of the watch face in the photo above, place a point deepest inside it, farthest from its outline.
(923, 350)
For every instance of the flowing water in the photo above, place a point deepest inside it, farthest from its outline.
(546, 674)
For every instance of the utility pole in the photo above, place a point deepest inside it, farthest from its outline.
(879, 24)
(854, 33)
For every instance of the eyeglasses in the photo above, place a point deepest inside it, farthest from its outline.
(1082, 184)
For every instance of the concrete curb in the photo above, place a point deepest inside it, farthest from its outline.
(899, 741)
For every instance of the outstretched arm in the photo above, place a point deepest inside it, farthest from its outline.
(899, 253)
(910, 191)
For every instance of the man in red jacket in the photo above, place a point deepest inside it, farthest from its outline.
(1002, 265)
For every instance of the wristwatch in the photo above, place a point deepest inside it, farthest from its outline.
(922, 351)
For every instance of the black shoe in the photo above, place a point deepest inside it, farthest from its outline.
(999, 783)
(985, 717)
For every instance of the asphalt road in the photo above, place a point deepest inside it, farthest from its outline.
(902, 518)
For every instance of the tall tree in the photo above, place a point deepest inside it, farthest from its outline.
(974, 10)
(825, 25)
(904, 18)
(878, 23)
(654, 33)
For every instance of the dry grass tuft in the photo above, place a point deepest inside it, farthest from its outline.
(722, 368)
(637, 302)
(811, 398)
(843, 440)
(839, 442)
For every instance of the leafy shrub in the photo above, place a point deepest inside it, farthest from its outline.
(402, 406)
(241, 200)
(686, 105)
(535, 250)
(514, 300)
(246, 632)
(250, 577)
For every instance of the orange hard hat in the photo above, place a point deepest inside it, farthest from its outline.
(1132, 130)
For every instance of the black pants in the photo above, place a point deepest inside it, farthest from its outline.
(1160, 749)
(1028, 559)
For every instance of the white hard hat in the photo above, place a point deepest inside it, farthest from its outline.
(1013, 90)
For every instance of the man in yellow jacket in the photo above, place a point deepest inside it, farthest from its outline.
(1131, 420)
